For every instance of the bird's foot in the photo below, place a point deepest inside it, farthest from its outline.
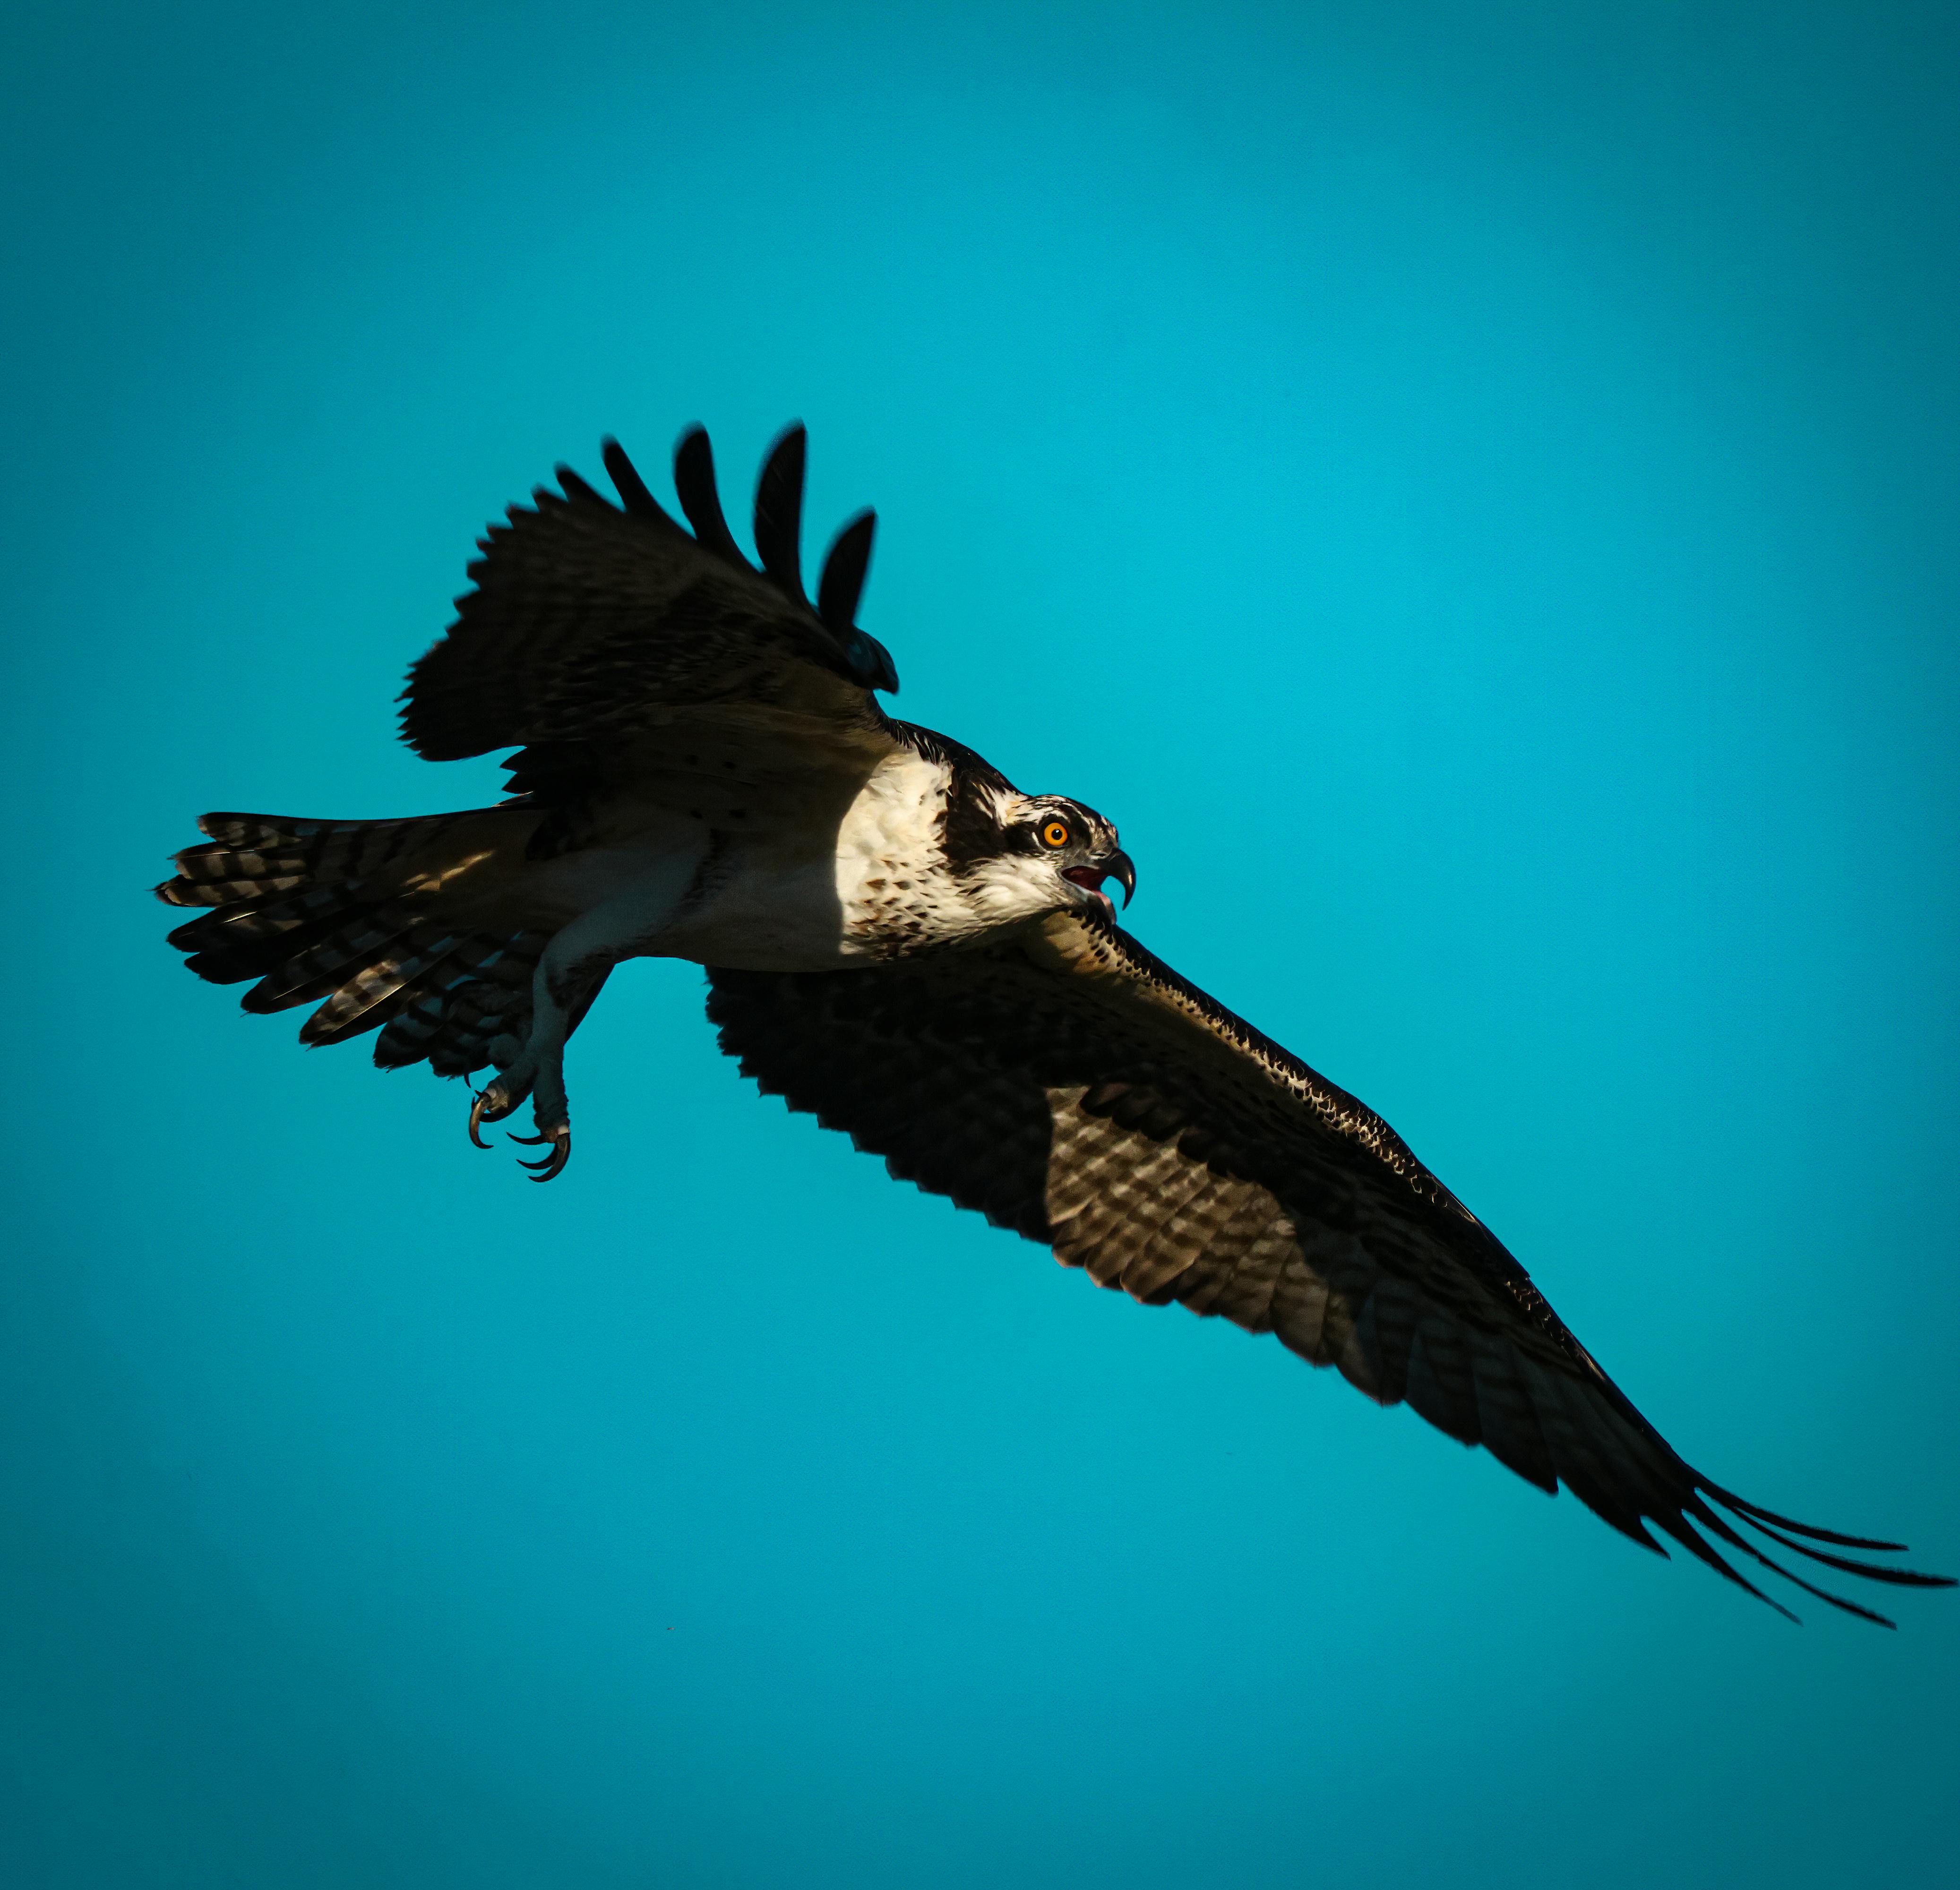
(495, 1100)
(559, 1136)
(542, 1080)
(552, 1118)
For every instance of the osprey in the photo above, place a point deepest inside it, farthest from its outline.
(901, 942)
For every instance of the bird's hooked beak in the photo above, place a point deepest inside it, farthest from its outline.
(1116, 864)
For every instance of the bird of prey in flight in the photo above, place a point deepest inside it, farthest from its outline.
(901, 942)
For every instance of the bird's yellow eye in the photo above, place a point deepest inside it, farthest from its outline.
(1055, 833)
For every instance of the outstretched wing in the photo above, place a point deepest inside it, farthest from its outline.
(1070, 1086)
(599, 637)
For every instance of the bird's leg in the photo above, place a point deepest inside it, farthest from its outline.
(573, 967)
(506, 1089)
(559, 993)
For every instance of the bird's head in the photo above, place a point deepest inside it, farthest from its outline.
(1042, 852)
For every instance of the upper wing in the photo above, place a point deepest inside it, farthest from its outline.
(1070, 1086)
(596, 630)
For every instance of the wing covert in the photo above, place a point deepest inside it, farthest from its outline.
(592, 624)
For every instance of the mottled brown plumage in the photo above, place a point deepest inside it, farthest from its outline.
(1068, 1086)
(601, 628)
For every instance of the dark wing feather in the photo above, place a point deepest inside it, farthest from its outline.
(779, 513)
(1070, 1087)
(591, 624)
(694, 486)
(844, 568)
(627, 482)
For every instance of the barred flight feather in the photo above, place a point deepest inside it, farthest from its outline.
(1068, 1085)
(589, 622)
(305, 909)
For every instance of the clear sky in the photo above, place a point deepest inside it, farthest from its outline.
(1471, 489)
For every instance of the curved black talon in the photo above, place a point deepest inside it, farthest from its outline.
(551, 1165)
(476, 1109)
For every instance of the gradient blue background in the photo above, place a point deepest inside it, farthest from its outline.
(1471, 489)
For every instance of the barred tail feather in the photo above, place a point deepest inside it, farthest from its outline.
(453, 1012)
(304, 909)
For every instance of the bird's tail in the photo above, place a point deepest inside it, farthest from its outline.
(314, 910)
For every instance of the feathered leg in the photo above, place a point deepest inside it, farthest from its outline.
(575, 964)
(536, 1068)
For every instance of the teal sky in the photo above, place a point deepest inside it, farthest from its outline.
(1471, 489)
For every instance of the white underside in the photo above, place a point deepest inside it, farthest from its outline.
(787, 900)
(873, 886)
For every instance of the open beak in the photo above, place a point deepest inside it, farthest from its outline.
(1118, 866)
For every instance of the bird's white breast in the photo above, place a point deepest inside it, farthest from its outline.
(892, 885)
(874, 885)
